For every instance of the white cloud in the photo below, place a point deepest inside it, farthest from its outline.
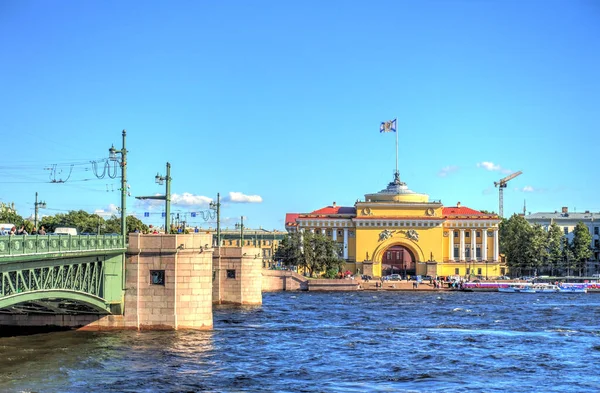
(528, 189)
(490, 166)
(238, 197)
(188, 199)
(445, 171)
(111, 210)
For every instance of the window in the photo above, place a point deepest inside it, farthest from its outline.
(596, 229)
(566, 229)
(467, 234)
(157, 277)
(468, 271)
(456, 271)
(477, 234)
(478, 252)
(340, 233)
(231, 273)
(455, 233)
(389, 255)
(456, 252)
(479, 271)
(467, 252)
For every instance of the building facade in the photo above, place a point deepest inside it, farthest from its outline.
(399, 231)
(567, 221)
(267, 241)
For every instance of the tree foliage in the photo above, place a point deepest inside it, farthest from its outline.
(313, 252)
(582, 240)
(530, 249)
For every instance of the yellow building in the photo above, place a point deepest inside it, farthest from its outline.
(400, 231)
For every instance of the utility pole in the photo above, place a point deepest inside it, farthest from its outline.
(37, 205)
(241, 228)
(123, 162)
(217, 207)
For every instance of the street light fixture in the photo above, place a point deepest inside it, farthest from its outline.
(37, 205)
(112, 156)
(240, 226)
(167, 197)
(217, 208)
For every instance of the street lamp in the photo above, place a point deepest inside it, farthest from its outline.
(37, 205)
(123, 163)
(241, 228)
(159, 179)
(217, 208)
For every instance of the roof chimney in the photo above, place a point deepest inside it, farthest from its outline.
(565, 209)
(333, 203)
(457, 204)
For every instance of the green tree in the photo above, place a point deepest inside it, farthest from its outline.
(537, 240)
(568, 263)
(313, 252)
(554, 247)
(113, 225)
(8, 216)
(80, 219)
(582, 240)
(515, 238)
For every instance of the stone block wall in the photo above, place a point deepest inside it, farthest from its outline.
(283, 280)
(184, 300)
(237, 276)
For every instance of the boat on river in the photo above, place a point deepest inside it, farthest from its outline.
(542, 288)
(573, 288)
(517, 288)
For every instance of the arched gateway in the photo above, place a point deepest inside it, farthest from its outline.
(398, 259)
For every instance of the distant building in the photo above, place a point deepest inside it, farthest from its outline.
(267, 241)
(397, 230)
(567, 221)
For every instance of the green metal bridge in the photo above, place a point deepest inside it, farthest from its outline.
(63, 274)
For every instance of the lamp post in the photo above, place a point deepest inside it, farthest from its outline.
(37, 205)
(241, 228)
(167, 197)
(166, 179)
(123, 163)
(217, 208)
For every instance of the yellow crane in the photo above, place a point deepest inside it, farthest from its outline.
(501, 184)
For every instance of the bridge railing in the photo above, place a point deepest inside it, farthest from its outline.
(35, 244)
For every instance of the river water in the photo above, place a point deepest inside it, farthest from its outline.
(333, 342)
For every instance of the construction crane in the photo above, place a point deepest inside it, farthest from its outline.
(501, 184)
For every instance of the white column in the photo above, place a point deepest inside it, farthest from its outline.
(345, 243)
(323, 231)
(495, 245)
(334, 234)
(461, 249)
(451, 242)
(312, 230)
(473, 245)
(484, 256)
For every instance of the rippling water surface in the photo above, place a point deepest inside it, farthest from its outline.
(333, 342)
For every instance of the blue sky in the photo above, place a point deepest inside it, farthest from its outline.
(276, 104)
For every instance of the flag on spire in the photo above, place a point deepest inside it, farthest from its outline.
(388, 126)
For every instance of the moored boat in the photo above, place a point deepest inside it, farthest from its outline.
(517, 288)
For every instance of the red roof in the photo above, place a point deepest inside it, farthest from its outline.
(454, 211)
(421, 218)
(290, 219)
(335, 210)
